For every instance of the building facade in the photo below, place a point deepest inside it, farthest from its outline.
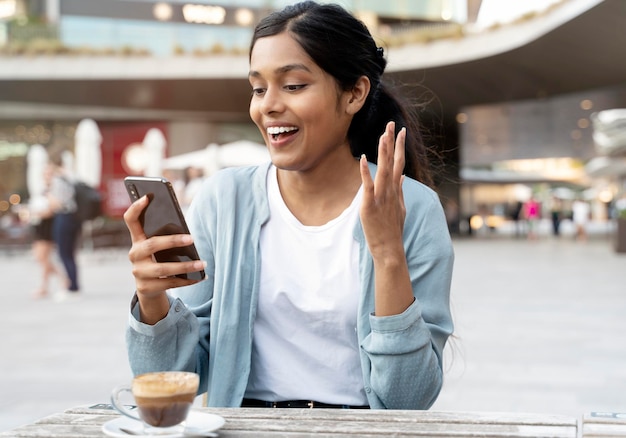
(505, 107)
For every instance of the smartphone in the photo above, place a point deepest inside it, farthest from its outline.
(109, 406)
(161, 217)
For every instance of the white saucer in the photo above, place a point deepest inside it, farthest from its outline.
(197, 423)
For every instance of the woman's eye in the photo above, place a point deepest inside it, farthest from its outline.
(294, 87)
(258, 91)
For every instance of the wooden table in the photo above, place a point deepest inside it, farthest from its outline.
(604, 425)
(84, 422)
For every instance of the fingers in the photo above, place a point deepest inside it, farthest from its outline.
(391, 156)
(391, 160)
(382, 209)
(145, 248)
(152, 286)
(401, 193)
(153, 277)
(165, 270)
(366, 176)
(131, 218)
(398, 155)
(385, 153)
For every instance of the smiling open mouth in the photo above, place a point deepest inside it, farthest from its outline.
(276, 132)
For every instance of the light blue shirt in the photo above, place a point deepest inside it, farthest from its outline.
(209, 326)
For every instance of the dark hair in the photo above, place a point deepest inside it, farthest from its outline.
(342, 46)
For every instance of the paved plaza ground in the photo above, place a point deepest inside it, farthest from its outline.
(540, 328)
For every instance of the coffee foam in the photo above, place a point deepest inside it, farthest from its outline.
(164, 384)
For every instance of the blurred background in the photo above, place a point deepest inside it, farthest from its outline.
(523, 100)
(520, 100)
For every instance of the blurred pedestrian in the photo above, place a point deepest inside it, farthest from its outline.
(532, 215)
(66, 227)
(581, 213)
(556, 215)
(515, 215)
(43, 247)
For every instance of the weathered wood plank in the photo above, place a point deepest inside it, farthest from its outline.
(399, 423)
(405, 416)
(328, 423)
(55, 431)
(604, 425)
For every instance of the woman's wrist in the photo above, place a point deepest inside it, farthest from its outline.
(153, 307)
(389, 256)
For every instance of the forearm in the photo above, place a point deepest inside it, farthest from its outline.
(393, 290)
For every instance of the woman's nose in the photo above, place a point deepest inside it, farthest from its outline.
(271, 102)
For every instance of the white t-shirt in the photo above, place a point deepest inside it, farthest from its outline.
(305, 342)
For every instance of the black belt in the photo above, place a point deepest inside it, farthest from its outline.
(300, 404)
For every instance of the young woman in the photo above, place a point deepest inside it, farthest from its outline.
(43, 242)
(328, 276)
(66, 227)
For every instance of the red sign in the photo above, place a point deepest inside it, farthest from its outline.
(116, 137)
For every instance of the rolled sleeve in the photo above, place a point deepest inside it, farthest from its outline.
(405, 372)
(167, 345)
(397, 334)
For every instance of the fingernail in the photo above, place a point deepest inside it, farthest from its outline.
(187, 238)
(199, 264)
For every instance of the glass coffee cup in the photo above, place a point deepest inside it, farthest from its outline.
(163, 400)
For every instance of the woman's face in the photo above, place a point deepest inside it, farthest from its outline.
(296, 105)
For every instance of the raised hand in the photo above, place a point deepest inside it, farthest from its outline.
(382, 217)
(383, 211)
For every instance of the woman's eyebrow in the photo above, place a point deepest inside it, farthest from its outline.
(282, 70)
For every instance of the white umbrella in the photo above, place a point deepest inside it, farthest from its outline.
(182, 161)
(88, 155)
(242, 153)
(154, 145)
(214, 157)
(211, 160)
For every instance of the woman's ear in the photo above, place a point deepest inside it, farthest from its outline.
(357, 95)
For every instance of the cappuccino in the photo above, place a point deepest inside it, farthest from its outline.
(163, 399)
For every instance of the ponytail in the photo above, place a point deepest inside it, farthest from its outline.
(382, 106)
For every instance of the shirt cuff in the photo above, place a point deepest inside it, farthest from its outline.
(176, 311)
(399, 322)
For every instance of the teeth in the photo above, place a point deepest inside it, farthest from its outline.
(275, 130)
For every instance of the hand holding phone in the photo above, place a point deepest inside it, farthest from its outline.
(161, 217)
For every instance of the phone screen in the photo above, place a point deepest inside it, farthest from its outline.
(163, 216)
